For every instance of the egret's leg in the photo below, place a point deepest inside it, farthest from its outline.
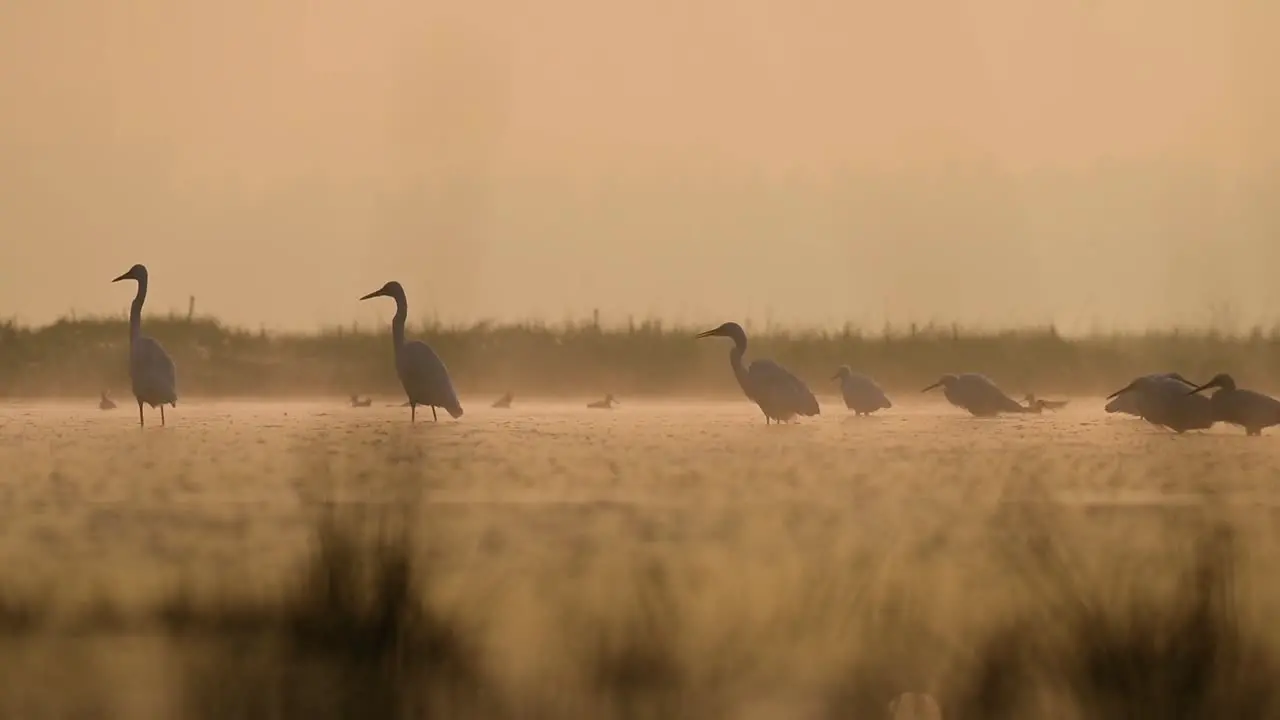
(433, 414)
(141, 421)
(413, 412)
(161, 416)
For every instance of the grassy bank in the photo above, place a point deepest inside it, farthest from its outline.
(78, 357)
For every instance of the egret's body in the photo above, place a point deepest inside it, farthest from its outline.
(422, 373)
(606, 404)
(780, 395)
(1129, 402)
(979, 395)
(861, 394)
(106, 403)
(1249, 409)
(1163, 400)
(151, 371)
(504, 402)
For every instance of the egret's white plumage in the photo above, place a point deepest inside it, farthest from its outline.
(977, 393)
(1165, 400)
(151, 370)
(861, 393)
(780, 395)
(422, 372)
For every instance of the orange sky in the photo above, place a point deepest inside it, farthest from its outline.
(815, 161)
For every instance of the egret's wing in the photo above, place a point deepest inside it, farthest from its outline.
(871, 390)
(156, 371)
(779, 388)
(427, 379)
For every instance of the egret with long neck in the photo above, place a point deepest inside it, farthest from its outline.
(1249, 409)
(151, 370)
(422, 373)
(780, 395)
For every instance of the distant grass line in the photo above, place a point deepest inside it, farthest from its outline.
(78, 357)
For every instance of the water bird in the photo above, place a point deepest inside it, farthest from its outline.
(1032, 401)
(422, 372)
(504, 401)
(977, 393)
(1128, 402)
(606, 404)
(780, 395)
(1247, 408)
(106, 403)
(151, 370)
(861, 393)
(357, 402)
(1163, 400)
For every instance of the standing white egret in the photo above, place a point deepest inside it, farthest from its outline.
(780, 395)
(861, 393)
(1129, 403)
(150, 368)
(422, 372)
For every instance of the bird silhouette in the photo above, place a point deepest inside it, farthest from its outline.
(780, 395)
(504, 401)
(977, 393)
(1163, 400)
(606, 404)
(422, 372)
(151, 370)
(1249, 409)
(861, 393)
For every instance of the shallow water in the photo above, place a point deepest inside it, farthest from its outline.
(552, 494)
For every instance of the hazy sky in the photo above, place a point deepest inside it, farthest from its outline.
(991, 162)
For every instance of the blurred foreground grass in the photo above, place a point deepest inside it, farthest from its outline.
(77, 357)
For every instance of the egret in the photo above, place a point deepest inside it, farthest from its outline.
(1247, 408)
(1163, 400)
(504, 401)
(151, 371)
(106, 403)
(357, 402)
(979, 395)
(422, 372)
(861, 393)
(780, 395)
(1128, 402)
(606, 404)
(1031, 401)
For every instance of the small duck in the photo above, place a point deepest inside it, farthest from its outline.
(106, 403)
(504, 401)
(606, 404)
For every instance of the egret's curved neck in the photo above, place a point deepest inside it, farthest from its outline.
(135, 310)
(397, 322)
(735, 360)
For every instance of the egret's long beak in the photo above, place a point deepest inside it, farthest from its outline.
(932, 387)
(1205, 386)
(836, 376)
(708, 333)
(1121, 391)
(122, 277)
(374, 294)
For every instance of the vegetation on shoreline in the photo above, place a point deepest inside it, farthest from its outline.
(78, 357)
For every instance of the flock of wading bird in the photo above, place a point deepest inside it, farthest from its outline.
(1165, 399)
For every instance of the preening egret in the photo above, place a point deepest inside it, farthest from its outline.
(1032, 401)
(504, 401)
(861, 393)
(422, 372)
(1164, 400)
(606, 404)
(979, 395)
(1247, 408)
(106, 403)
(151, 370)
(1128, 402)
(357, 402)
(780, 395)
